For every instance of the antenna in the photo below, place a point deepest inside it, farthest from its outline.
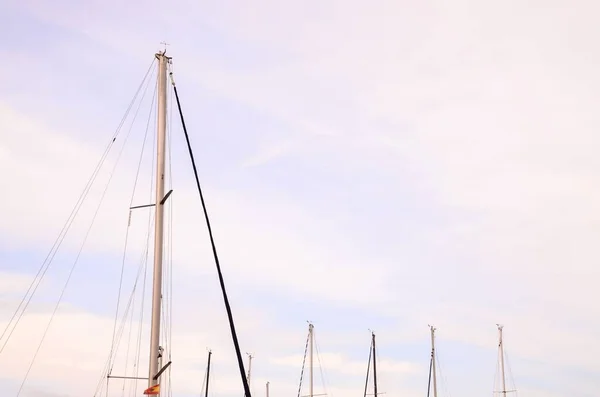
(165, 44)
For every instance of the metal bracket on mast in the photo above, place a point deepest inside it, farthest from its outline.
(161, 371)
(162, 202)
(125, 377)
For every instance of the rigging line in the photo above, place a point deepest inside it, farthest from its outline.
(143, 265)
(145, 280)
(429, 377)
(442, 374)
(130, 205)
(320, 365)
(139, 337)
(76, 258)
(72, 269)
(67, 225)
(510, 375)
(303, 364)
(128, 346)
(171, 204)
(496, 373)
(146, 254)
(214, 249)
(204, 382)
(136, 353)
(122, 327)
(368, 368)
(108, 366)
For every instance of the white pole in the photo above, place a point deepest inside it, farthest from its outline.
(158, 219)
(249, 368)
(433, 360)
(501, 351)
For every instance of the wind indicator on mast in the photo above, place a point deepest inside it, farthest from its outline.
(165, 44)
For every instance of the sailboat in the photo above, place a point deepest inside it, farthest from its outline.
(207, 378)
(501, 361)
(372, 359)
(156, 367)
(432, 366)
(309, 349)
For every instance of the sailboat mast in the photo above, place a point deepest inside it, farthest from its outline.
(207, 373)
(374, 365)
(501, 352)
(249, 368)
(158, 219)
(433, 372)
(267, 389)
(310, 338)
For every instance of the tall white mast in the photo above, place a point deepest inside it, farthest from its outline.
(267, 389)
(433, 373)
(158, 219)
(501, 353)
(310, 338)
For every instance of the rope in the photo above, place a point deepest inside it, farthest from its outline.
(369, 368)
(170, 235)
(122, 327)
(320, 365)
(443, 378)
(214, 249)
(135, 357)
(303, 364)
(73, 266)
(129, 218)
(59, 239)
(512, 383)
(429, 377)
(116, 339)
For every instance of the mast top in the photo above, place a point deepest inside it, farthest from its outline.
(163, 53)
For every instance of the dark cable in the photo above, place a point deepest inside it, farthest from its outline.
(214, 249)
(429, 379)
(368, 369)
(303, 363)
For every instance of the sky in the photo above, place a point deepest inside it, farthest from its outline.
(383, 165)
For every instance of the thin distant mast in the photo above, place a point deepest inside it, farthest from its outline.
(207, 373)
(250, 357)
(310, 372)
(501, 355)
(309, 351)
(374, 364)
(433, 366)
(501, 352)
(373, 359)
